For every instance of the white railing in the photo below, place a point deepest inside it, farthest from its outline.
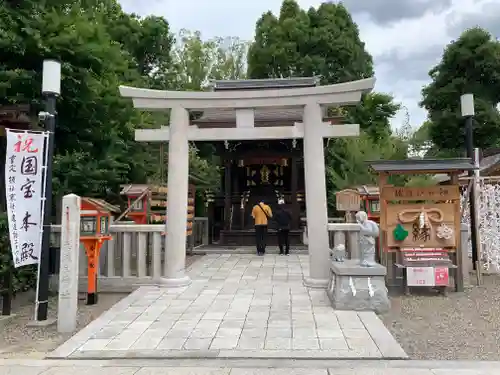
(346, 234)
(134, 256)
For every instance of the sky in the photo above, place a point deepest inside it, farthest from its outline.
(405, 37)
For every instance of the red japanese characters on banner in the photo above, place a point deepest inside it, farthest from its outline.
(25, 144)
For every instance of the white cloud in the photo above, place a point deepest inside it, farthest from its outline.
(404, 49)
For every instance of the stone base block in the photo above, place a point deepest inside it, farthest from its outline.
(313, 283)
(353, 287)
(41, 323)
(175, 283)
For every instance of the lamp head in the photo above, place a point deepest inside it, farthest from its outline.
(51, 80)
(467, 105)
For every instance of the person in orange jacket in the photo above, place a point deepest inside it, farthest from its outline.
(261, 214)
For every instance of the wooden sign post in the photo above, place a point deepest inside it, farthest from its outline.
(348, 201)
(421, 225)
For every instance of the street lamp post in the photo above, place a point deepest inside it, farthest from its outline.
(467, 109)
(51, 89)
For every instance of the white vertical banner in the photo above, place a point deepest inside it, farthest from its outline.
(24, 181)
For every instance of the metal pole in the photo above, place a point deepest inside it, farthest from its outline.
(476, 198)
(7, 291)
(43, 278)
(469, 141)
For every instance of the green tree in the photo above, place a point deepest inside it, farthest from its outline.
(321, 42)
(469, 65)
(325, 42)
(196, 61)
(373, 114)
(95, 149)
(351, 155)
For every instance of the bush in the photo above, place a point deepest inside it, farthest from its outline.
(24, 278)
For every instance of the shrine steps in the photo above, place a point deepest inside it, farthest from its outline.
(220, 249)
(246, 237)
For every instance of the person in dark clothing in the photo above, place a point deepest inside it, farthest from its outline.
(282, 217)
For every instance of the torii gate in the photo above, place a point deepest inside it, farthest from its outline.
(312, 129)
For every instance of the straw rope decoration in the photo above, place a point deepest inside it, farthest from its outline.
(425, 216)
(423, 220)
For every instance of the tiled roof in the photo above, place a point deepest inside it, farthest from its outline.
(415, 165)
(368, 190)
(102, 204)
(263, 84)
(487, 165)
(134, 189)
(260, 114)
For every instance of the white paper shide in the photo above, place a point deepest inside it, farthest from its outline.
(24, 192)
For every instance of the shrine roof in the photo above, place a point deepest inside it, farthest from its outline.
(260, 114)
(488, 166)
(370, 190)
(422, 165)
(15, 117)
(133, 189)
(102, 205)
(263, 84)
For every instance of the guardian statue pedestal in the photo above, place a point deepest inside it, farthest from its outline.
(359, 284)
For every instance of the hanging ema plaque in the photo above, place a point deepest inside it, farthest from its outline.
(421, 225)
(24, 193)
(348, 200)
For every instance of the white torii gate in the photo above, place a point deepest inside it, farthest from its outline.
(312, 129)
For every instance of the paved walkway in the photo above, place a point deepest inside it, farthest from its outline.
(238, 306)
(254, 367)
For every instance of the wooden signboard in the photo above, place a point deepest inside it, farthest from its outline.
(348, 200)
(425, 257)
(421, 225)
(435, 193)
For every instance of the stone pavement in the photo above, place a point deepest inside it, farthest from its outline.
(248, 367)
(238, 306)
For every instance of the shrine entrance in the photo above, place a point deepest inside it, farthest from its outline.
(242, 112)
(256, 171)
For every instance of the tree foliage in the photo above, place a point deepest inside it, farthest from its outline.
(470, 64)
(325, 42)
(350, 156)
(100, 48)
(197, 61)
(320, 42)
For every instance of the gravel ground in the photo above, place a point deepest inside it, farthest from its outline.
(462, 326)
(17, 340)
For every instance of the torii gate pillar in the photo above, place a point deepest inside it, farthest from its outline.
(177, 202)
(315, 184)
